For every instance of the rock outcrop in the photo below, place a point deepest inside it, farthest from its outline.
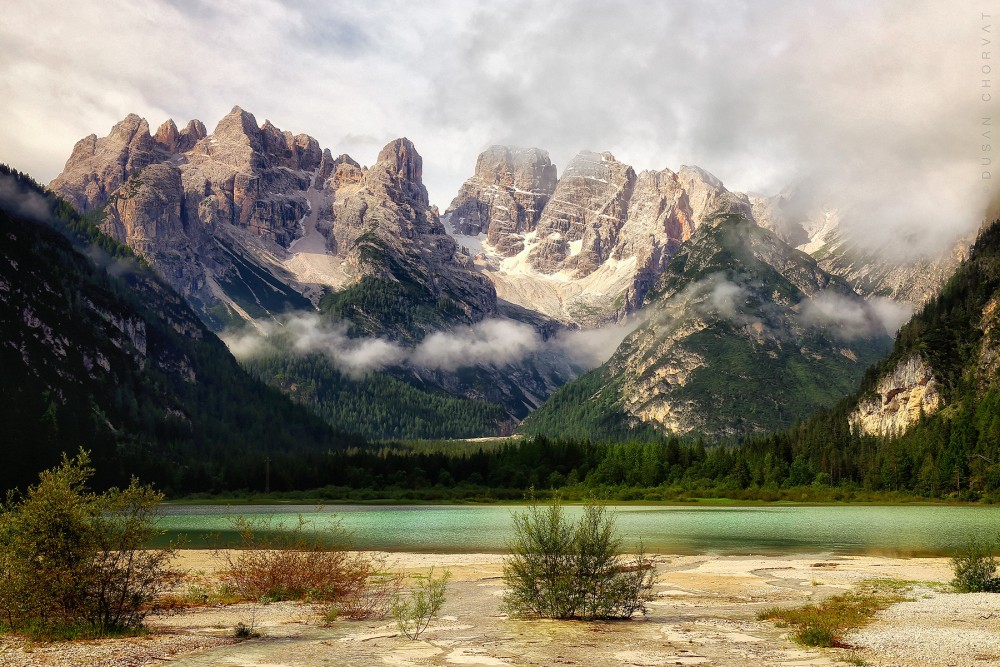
(900, 398)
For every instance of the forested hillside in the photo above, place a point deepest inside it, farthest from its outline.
(98, 352)
(377, 405)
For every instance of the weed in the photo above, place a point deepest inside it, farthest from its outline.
(414, 613)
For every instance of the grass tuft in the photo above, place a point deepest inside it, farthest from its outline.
(825, 624)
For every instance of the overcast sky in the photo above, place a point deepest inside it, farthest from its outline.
(871, 107)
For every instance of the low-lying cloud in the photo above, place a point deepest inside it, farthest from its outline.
(491, 342)
(841, 315)
(850, 318)
(845, 317)
(20, 201)
(495, 342)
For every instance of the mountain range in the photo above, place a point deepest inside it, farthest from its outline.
(269, 237)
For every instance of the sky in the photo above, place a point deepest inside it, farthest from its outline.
(873, 108)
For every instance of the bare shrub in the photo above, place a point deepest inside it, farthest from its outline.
(302, 563)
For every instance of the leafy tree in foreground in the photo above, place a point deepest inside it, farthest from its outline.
(558, 568)
(74, 563)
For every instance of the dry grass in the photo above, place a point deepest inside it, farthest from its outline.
(826, 623)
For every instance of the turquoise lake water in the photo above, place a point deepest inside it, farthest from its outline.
(896, 530)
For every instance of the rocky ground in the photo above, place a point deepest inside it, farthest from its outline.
(704, 614)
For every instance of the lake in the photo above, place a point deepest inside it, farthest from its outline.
(933, 530)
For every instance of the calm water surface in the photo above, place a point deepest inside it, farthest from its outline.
(904, 531)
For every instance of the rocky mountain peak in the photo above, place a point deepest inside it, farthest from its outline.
(402, 164)
(589, 206)
(294, 151)
(237, 124)
(339, 171)
(242, 184)
(98, 166)
(167, 135)
(505, 196)
(127, 129)
(525, 169)
(194, 132)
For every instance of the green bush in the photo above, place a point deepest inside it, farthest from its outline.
(975, 568)
(74, 563)
(558, 568)
(414, 613)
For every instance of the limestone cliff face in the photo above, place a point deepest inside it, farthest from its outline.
(578, 229)
(505, 197)
(383, 225)
(988, 365)
(587, 248)
(250, 220)
(899, 399)
(97, 167)
(252, 178)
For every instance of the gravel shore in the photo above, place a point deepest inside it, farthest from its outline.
(704, 614)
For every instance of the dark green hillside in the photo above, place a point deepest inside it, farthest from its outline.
(954, 451)
(101, 353)
(378, 405)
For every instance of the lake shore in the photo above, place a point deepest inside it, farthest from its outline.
(704, 614)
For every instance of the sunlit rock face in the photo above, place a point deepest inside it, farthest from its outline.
(899, 400)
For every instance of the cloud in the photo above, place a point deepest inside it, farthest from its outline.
(306, 333)
(590, 348)
(21, 201)
(841, 315)
(870, 108)
(892, 314)
(712, 296)
(488, 343)
(845, 317)
(726, 298)
(491, 342)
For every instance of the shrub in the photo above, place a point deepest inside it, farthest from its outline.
(74, 563)
(558, 568)
(414, 613)
(305, 564)
(975, 568)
